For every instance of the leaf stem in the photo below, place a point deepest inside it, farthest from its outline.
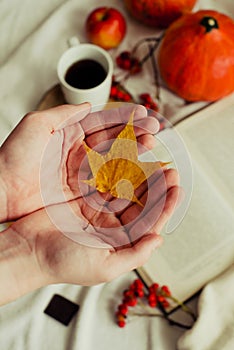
(149, 54)
(184, 307)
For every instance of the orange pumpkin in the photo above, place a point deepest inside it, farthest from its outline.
(196, 57)
(158, 13)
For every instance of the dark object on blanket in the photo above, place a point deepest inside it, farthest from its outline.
(61, 309)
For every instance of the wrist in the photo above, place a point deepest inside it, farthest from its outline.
(20, 272)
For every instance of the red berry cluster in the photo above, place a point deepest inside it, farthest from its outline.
(127, 62)
(148, 102)
(130, 295)
(135, 292)
(117, 93)
(157, 295)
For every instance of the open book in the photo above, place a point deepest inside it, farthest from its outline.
(202, 245)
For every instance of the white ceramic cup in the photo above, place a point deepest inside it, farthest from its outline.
(98, 95)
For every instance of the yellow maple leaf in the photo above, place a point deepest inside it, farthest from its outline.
(119, 171)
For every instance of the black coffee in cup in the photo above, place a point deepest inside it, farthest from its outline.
(85, 74)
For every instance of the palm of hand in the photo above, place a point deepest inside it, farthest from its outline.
(111, 222)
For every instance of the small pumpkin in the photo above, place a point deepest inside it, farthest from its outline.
(196, 57)
(158, 13)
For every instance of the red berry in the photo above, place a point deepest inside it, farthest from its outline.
(145, 97)
(135, 66)
(126, 97)
(154, 106)
(154, 287)
(119, 60)
(138, 283)
(160, 299)
(124, 60)
(165, 304)
(126, 64)
(118, 94)
(148, 102)
(128, 293)
(147, 105)
(125, 55)
(132, 302)
(151, 297)
(152, 303)
(121, 324)
(132, 287)
(140, 293)
(123, 309)
(113, 91)
(166, 291)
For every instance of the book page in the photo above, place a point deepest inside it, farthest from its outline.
(202, 246)
(209, 137)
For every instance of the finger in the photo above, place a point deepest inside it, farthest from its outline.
(128, 259)
(149, 193)
(141, 127)
(65, 115)
(138, 220)
(162, 180)
(175, 196)
(157, 216)
(105, 119)
(147, 141)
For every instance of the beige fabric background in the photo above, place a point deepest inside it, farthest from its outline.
(33, 36)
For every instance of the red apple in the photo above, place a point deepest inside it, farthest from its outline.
(106, 27)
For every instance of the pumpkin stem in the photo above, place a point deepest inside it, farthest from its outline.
(209, 23)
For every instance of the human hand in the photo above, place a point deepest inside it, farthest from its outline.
(52, 256)
(47, 146)
(36, 253)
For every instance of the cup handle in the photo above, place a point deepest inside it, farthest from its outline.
(73, 41)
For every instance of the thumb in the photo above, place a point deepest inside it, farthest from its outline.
(130, 258)
(65, 115)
